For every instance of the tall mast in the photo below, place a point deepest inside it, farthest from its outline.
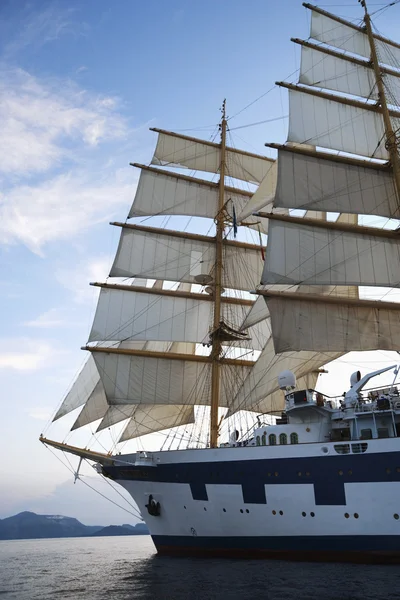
(216, 342)
(391, 142)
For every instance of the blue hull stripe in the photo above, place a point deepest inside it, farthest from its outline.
(328, 474)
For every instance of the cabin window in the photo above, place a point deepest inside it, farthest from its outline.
(383, 432)
(338, 435)
(264, 439)
(366, 434)
(283, 438)
(272, 439)
(294, 438)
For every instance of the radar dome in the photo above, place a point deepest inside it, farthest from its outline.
(355, 378)
(287, 380)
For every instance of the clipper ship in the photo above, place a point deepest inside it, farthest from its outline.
(176, 338)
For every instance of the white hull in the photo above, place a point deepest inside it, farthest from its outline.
(351, 502)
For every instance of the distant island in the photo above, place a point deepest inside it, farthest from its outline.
(28, 525)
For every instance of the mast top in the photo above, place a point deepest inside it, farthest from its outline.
(223, 110)
(364, 5)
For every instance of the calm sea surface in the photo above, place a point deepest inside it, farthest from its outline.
(121, 568)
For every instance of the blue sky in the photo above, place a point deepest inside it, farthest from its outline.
(80, 84)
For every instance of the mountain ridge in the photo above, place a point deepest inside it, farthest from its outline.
(29, 525)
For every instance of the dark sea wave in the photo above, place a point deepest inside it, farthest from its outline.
(126, 568)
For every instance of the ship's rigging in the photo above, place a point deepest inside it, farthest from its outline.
(181, 291)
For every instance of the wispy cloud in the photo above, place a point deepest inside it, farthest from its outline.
(45, 121)
(39, 27)
(61, 207)
(27, 354)
(48, 320)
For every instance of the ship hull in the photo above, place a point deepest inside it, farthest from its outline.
(304, 502)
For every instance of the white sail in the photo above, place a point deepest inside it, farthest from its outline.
(165, 193)
(181, 151)
(300, 324)
(324, 184)
(336, 125)
(94, 409)
(160, 255)
(257, 314)
(128, 315)
(81, 389)
(263, 196)
(149, 419)
(330, 31)
(351, 38)
(258, 388)
(307, 253)
(148, 380)
(332, 73)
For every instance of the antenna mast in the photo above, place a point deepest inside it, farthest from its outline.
(391, 141)
(216, 341)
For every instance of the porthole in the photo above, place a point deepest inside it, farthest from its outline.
(274, 512)
(388, 471)
(224, 510)
(247, 510)
(281, 512)
(325, 449)
(350, 472)
(340, 472)
(312, 514)
(276, 473)
(396, 516)
(356, 515)
(241, 510)
(307, 474)
(304, 514)
(299, 473)
(398, 469)
(346, 515)
(269, 474)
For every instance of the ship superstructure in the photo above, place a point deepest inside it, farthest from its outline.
(177, 337)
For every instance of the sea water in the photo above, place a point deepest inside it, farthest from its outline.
(125, 568)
